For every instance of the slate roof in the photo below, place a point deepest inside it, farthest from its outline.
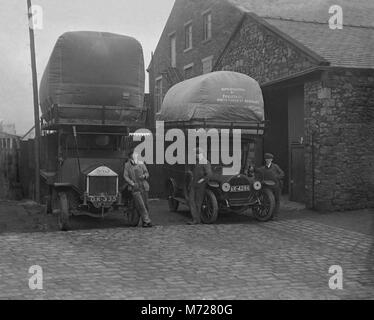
(351, 47)
(355, 12)
(306, 21)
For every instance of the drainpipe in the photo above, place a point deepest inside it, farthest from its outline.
(313, 169)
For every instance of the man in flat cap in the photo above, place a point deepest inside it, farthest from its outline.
(198, 178)
(272, 171)
(136, 175)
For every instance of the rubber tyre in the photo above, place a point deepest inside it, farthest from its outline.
(209, 210)
(265, 212)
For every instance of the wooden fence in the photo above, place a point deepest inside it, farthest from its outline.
(10, 187)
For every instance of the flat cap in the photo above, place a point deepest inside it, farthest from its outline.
(268, 156)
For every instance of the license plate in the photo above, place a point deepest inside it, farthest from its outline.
(102, 198)
(240, 188)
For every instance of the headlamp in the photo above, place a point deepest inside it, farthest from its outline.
(257, 185)
(226, 187)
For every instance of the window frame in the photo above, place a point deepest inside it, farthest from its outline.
(171, 36)
(159, 93)
(188, 26)
(209, 58)
(207, 25)
(186, 67)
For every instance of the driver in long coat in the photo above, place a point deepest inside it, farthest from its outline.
(199, 177)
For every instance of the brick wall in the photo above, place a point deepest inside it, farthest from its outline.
(225, 18)
(339, 112)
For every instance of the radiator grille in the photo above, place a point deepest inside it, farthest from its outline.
(105, 185)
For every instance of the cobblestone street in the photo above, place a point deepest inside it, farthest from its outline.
(233, 259)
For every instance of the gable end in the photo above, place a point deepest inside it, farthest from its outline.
(265, 53)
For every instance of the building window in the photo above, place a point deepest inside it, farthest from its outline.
(158, 93)
(188, 71)
(188, 36)
(173, 50)
(207, 25)
(207, 64)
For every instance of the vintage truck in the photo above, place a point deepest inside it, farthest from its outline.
(223, 101)
(91, 97)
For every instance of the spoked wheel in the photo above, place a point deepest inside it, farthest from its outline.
(63, 215)
(173, 204)
(209, 210)
(265, 209)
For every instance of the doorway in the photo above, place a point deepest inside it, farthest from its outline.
(296, 143)
(284, 109)
(276, 135)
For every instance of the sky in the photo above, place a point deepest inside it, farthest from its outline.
(142, 19)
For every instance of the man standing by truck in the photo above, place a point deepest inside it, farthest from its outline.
(272, 171)
(200, 174)
(136, 175)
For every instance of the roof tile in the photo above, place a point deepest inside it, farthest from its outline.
(357, 12)
(307, 22)
(348, 47)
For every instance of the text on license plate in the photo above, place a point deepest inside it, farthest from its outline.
(240, 188)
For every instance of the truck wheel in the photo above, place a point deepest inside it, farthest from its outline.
(264, 211)
(209, 210)
(63, 215)
(173, 204)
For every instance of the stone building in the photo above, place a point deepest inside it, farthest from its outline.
(318, 84)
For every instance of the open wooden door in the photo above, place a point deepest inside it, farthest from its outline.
(297, 173)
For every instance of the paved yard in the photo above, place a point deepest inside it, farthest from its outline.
(238, 258)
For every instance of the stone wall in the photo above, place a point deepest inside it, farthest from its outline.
(260, 53)
(338, 107)
(339, 110)
(339, 113)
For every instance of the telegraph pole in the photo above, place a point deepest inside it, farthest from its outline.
(36, 104)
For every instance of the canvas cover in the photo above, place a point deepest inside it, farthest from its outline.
(215, 96)
(93, 68)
